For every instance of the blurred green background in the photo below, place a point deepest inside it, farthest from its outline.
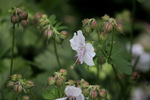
(36, 61)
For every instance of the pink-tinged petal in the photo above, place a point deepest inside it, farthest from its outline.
(72, 91)
(81, 37)
(80, 97)
(65, 98)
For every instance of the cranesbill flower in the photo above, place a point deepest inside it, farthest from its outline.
(85, 51)
(72, 93)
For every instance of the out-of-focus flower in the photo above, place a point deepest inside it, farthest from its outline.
(143, 63)
(85, 51)
(73, 92)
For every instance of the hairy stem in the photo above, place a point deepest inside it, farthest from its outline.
(12, 51)
(56, 53)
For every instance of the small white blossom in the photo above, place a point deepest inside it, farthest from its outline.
(73, 93)
(85, 51)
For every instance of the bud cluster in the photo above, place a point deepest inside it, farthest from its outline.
(19, 16)
(89, 25)
(48, 29)
(19, 85)
(110, 23)
(58, 79)
(92, 92)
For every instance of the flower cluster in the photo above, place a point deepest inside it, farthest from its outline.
(20, 85)
(49, 27)
(59, 78)
(18, 16)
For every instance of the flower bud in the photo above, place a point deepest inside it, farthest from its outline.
(14, 77)
(87, 29)
(108, 27)
(24, 23)
(23, 15)
(63, 78)
(19, 76)
(63, 34)
(86, 92)
(58, 39)
(84, 84)
(93, 94)
(63, 72)
(77, 83)
(10, 84)
(51, 81)
(85, 21)
(15, 19)
(25, 98)
(71, 82)
(29, 84)
(105, 17)
(18, 88)
(48, 33)
(59, 81)
(119, 28)
(103, 36)
(94, 24)
(103, 93)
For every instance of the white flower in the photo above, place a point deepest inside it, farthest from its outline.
(73, 92)
(85, 51)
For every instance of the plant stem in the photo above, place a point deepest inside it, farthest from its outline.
(104, 53)
(12, 51)
(56, 53)
(112, 40)
(32, 96)
(132, 24)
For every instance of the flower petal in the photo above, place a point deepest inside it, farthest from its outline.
(78, 41)
(80, 97)
(65, 98)
(89, 54)
(72, 91)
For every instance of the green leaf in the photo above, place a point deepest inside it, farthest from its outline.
(62, 28)
(51, 94)
(122, 65)
(58, 24)
(52, 18)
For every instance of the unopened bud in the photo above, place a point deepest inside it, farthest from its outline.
(29, 84)
(105, 17)
(24, 23)
(63, 34)
(25, 98)
(86, 92)
(85, 21)
(18, 88)
(15, 19)
(108, 27)
(19, 76)
(93, 94)
(103, 36)
(77, 83)
(63, 72)
(58, 40)
(103, 93)
(71, 82)
(48, 33)
(14, 77)
(87, 29)
(26, 91)
(119, 28)
(94, 24)
(51, 81)
(23, 15)
(59, 81)
(10, 84)
(84, 84)
(63, 78)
